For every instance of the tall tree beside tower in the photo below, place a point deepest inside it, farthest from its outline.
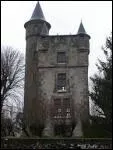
(102, 84)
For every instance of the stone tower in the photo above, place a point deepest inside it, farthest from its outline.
(56, 78)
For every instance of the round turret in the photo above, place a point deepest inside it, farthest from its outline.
(37, 25)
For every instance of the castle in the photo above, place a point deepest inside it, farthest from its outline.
(56, 78)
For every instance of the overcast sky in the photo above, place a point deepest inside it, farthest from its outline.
(64, 17)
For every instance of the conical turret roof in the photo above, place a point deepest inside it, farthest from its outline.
(38, 13)
(81, 29)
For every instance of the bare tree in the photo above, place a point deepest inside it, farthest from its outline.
(12, 76)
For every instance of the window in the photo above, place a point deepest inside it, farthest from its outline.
(68, 115)
(68, 110)
(61, 57)
(61, 81)
(57, 108)
(62, 108)
(66, 102)
(57, 103)
(66, 106)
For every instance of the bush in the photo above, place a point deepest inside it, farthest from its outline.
(97, 129)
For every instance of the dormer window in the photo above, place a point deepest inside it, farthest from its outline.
(61, 57)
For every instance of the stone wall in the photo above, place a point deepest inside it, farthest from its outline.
(42, 69)
(76, 70)
(56, 143)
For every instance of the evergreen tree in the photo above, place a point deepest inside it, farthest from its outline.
(101, 93)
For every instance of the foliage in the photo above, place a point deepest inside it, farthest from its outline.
(102, 84)
(6, 126)
(12, 75)
(97, 128)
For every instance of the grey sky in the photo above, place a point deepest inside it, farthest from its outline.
(64, 17)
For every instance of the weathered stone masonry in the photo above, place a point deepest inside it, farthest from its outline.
(42, 69)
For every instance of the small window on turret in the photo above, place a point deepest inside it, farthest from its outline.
(81, 36)
(61, 57)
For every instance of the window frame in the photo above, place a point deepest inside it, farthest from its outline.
(57, 84)
(60, 111)
(58, 57)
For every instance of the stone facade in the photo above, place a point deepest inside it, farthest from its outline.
(42, 69)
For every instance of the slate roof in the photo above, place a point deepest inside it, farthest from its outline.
(38, 13)
(81, 29)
